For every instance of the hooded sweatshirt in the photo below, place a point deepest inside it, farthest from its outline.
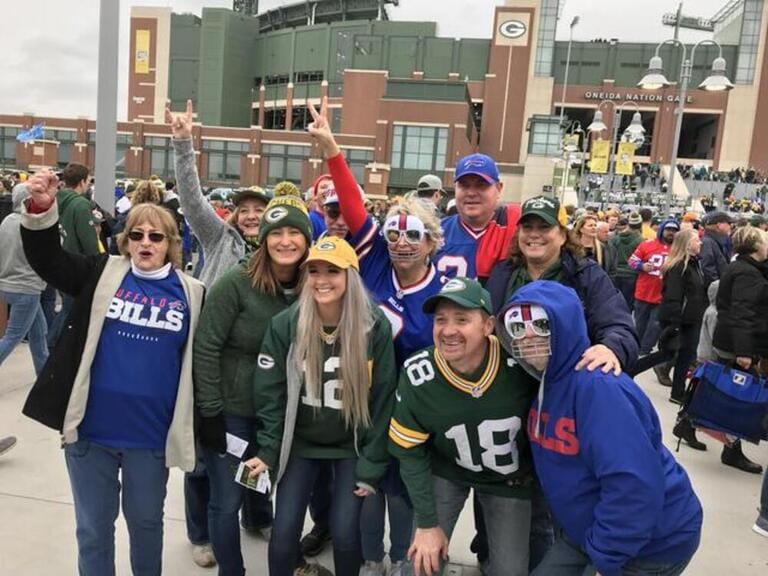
(625, 243)
(649, 284)
(16, 275)
(596, 441)
(76, 223)
(706, 351)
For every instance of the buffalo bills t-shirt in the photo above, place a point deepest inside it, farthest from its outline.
(135, 373)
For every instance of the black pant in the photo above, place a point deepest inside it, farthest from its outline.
(686, 354)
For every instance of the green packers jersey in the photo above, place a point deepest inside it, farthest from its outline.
(468, 429)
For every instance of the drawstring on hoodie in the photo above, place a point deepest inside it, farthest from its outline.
(541, 403)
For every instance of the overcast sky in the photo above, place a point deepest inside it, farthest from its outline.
(51, 47)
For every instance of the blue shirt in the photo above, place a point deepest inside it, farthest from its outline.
(402, 305)
(456, 259)
(136, 369)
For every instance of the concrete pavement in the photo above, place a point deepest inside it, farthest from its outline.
(37, 525)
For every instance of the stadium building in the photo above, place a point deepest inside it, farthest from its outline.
(404, 100)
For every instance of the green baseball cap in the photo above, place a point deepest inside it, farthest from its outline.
(462, 291)
(548, 209)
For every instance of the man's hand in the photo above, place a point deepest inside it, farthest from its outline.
(429, 548)
(647, 267)
(181, 124)
(744, 362)
(43, 187)
(598, 356)
(362, 492)
(320, 129)
(256, 466)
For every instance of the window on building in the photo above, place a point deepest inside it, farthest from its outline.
(544, 137)
(419, 147)
(300, 118)
(357, 160)
(160, 157)
(284, 162)
(335, 120)
(66, 140)
(545, 45)
(223, 159)
(276, 79)
(749, 41)
(314, 76)
(274, 119)
(8, 146)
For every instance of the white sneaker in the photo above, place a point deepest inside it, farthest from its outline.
(371, 568)
(397, 569)
(6, 444)
(202, 555)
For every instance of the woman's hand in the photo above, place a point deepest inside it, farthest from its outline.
(598, 356)
(320, 129)
(257, 466)
(42, 188)
(181, 124)
(744, 362)
(362, 492)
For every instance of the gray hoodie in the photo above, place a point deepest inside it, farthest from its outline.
(706, 351)
(223, 246)
(16, 275)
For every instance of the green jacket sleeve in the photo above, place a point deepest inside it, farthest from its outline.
(373, 457)
(86, 232)
(270, 393)
(408, 443)
(222, 305)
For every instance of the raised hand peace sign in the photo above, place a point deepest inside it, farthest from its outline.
(181, 124)
(320, 129)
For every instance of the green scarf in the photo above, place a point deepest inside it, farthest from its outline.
(520, 277)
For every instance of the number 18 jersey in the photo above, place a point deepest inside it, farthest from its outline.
(468, 429)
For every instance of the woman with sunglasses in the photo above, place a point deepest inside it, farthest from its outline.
(397, 268)
(119, 384)
(324, 387)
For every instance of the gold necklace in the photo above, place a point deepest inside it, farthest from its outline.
(329, 337)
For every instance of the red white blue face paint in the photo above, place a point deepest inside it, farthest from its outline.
(526, 332)
(412, 229)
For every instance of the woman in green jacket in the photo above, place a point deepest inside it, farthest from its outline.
(236, 315)
(324, 386)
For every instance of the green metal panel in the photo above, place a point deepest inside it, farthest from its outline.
(420, 90)
(403, 54)
(593, 62)
(367, 52)
(390, 28)
(276, 53)
(438, 57)
(311, 49)
(473, 59)
(211, 81)
(184, 60)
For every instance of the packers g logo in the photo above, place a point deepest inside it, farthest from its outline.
(539, 204)
(265, 362)
(326, 246)
(454, 285)
(276, 214)
(513, 29)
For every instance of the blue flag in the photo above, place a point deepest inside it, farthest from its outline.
(35, 133)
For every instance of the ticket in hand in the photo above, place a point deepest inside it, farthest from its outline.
(259, 484)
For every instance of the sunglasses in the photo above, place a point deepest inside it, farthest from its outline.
(411, 236)
(333, 211)
(138, 236)
(540, 327)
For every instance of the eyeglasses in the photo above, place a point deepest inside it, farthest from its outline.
(138, 236)
(517, 329)
(411, 236)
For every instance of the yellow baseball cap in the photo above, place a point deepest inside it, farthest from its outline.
(335, 251)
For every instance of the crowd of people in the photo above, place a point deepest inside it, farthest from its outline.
(374, 361)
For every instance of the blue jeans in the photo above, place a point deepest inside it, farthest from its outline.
(293, 495)
(372, 526)
(764, 497)
(197, 494)
(647, 325)
(564, 559)
(26, 318)
(226, 497)
(93, 474)
(54, 331)
(626, 285)
(507, 522)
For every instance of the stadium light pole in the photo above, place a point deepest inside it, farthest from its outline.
(654, 79)
(106, 104)
(574, 22)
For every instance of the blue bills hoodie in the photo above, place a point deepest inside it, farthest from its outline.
(612, 485)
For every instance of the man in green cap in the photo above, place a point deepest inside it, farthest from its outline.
(458, 424)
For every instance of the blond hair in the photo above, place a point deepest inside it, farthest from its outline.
(747, 239)
(146, 193)
(418, 208)
(678, 252)
(354, 330)
(161, 219)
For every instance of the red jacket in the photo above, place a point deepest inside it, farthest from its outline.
(649, 284)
